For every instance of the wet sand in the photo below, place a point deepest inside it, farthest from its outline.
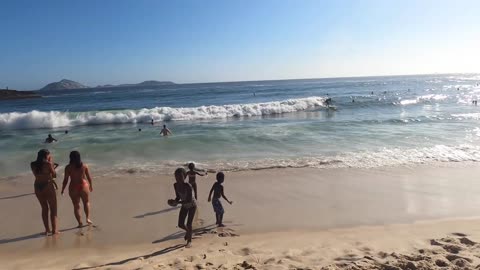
(274, 211)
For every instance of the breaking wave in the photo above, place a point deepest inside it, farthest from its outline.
(54, 119)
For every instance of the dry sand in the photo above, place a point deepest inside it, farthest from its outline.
(285, 219)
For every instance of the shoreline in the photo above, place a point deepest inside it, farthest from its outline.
(131, 211)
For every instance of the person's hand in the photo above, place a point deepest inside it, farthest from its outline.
(230, 202)
(209, 199)
(91, 188)
(62, 192)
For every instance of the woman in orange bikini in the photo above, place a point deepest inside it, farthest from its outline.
(79, 188)
(44, 172)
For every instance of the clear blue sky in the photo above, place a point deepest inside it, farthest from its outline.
(115, 41)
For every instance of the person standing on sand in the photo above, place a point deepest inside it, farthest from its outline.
(44, 172)
(217, 190)
(165, 131)
(184, 196)
(192, 175)
(79, 188)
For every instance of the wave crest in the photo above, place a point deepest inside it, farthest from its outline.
(54, 119)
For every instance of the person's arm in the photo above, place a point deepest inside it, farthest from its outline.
(199, 173)
(65, 178)
(55, 139)
(223, 195)
(210, 194)
(177, 196)
(89, 178)
(52, 170)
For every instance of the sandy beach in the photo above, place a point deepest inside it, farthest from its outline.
(280, 219)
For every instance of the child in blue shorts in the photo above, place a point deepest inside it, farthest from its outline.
(217, 190)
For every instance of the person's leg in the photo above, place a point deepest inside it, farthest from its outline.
(76, 206)
(191, 215)
(52, 203)
(181, 218)
(44, 204)
(194, 186)
(85, 196)
(220, 220)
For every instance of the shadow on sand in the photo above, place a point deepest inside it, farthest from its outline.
(146, 256)
(29, 237)
(166, 210)
(16, 196)
(180, 234)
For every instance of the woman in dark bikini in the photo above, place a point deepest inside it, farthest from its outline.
(184, 196)
(44, 172)
(79, 188)
(192, 175)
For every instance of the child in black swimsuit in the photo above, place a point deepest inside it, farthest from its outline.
(192, 174)
(184, 196)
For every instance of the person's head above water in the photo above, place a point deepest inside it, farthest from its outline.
(191, 166)
(220, 177)
(180, 175)
(49, 135)
(75, 159)
(66, 131)
(164, 126)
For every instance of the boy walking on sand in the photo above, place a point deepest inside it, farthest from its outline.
(217, 190)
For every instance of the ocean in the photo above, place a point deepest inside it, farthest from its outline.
(378, 121)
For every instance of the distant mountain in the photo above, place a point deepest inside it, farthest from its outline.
(14, 94)
(142, 84)
(155, 83)
(64, 84)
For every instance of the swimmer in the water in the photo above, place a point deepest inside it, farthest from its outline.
(50, 139)
(192, 174)
(66, 131)
(152, 122)
(165, 131)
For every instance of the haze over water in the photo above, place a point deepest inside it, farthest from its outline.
(251, 125)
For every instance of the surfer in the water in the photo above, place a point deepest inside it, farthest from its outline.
(192, 174)
(328, 101)
(50, 139)
(217, 190)
(165, 131)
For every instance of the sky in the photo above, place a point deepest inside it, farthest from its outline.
(118, 41)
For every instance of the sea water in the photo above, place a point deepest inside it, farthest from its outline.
(377, 121)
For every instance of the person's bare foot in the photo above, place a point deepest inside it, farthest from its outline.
(80, 225)
(55, 233)
(189, 244)
(46, 233)
(89, 222)
(221, 225)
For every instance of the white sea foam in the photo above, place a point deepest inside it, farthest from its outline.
(424, 98)
(389, 157)
(53, 119)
